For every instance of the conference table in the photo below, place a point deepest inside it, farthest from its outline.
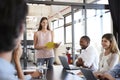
(58, 73)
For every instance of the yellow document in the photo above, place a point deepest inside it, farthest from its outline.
(50, 45)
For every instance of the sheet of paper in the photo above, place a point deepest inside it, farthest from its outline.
(73, 77)
(50, 45)
(29, 70)
(75, 72)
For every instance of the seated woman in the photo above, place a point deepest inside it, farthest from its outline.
(110, 56)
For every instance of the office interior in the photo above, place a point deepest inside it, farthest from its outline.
(69, 20)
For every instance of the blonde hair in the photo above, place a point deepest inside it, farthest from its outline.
(113, 44)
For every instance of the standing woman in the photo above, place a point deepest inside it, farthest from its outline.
(41, 37)
(110, 56)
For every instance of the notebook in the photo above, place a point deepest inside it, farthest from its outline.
(88, 74)
(65, 64)
(50, 45)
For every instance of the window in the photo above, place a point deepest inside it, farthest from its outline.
(78, 26)
(59, 34)
(102, 2)
(68, 19)
(55, 23)
(107, 23)
(58, 30)
(98, 25)
(61, 22)
(68, 34)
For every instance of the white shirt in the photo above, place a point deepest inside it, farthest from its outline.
(104, 64)
(107, 62)
(90, 57)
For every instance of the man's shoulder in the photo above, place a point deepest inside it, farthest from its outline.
(7, 74)
(7, 71)
(91, 47)
(92, 50)
(6, 67)
(8, 77)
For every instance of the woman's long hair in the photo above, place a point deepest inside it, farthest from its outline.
(40, 26)
(113, 44)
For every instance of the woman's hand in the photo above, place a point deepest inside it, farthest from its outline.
(107, 76)
(80, 73)
(57, 45)
(43, 47)
(99, 75)
(36, 74)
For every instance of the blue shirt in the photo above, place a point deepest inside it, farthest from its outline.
(116, 72)
(7, 71)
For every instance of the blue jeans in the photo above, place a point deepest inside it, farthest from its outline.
(48, 61)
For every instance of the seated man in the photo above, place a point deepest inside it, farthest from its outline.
(89, 56)
(12, 15)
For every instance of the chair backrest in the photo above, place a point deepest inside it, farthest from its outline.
(88, 74)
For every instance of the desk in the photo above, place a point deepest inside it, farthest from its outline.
(58, 73)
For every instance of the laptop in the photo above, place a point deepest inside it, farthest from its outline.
(65, 64)
(88, 74)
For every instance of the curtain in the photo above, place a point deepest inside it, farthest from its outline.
(114, 6)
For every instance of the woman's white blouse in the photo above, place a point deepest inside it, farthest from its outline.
(104, 64)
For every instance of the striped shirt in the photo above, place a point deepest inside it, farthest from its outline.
(43, 38)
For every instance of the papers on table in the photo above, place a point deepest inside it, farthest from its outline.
(30, 69)
(75, 72)
(73, 77)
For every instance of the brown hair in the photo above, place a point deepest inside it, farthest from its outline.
(113, 44)
(40, 26)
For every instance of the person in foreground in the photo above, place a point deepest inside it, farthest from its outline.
(12, 14)
(89, 56)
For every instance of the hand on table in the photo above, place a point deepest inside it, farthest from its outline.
(36, 74)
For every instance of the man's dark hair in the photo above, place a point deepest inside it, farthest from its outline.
(12, 15)
(86, 38)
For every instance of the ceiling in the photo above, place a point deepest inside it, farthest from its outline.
(49, 10)
(36, 11)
